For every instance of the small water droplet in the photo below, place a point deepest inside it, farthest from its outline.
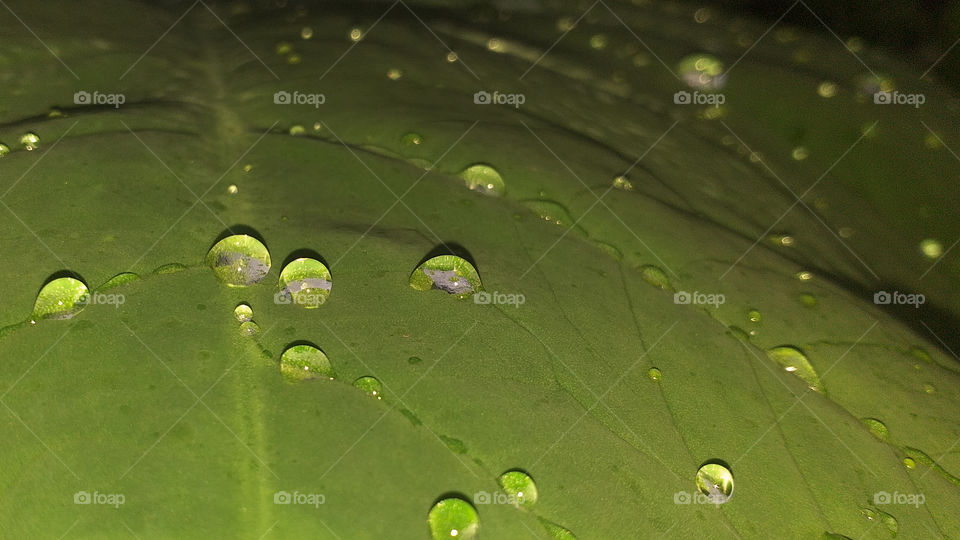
(448, 273)
(551, 211)
(702, 72)
(784, 240)
(414, 360)
(61, 298)
(297, 130)
(4, 149)
(845, 232)
(598, 42)
(623, 183)
(30, 141)
(909, 463)
(555, 531)
(655, 276)
(303, 362)
(306, 282)
(452, 57)
(169, 268)
(877, 428)
(654, 374)
(243, 313)
(520, 487)
(483, 178)
(716, 482)
(794, 361)
(804, 275)
(932, 249)
(294, 59)
(239, 260)
(232, 189)
(370, 386)
(827, 89)
(283, 48)
(928, 388)
(306, 32)
(754, 316)
(565, 24)
(118, 280)
(411, 139)
(356, 34)
(247, 168)
(453, 518)
(800, 153)
(249, 329)
(495, 45)
(394, 74)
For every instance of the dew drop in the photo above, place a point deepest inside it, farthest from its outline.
(804, 275)
(519, 487)
(877, 428)
(283, 48)
(827, 89)
(555, 531)
(169, 268)
(243, 313)
(932, 249)
(598, 42)
(654, 374)
(716, 482)
(929, 389)
(60, 298)
(30, 141)
(483, 178)
(551, 211)
(247, 168)
(702, 72)
(249, 329)
(356, 34)
(239, 260)
(655, 276)
(622, 183)
(453, 518)
(306, 282)
(754, 316)
(414, 360)
(297, 130)
(233, 189)
(394, 74)
(4, 149)
(294, 59)
(800, 153)
(369, 386)
(303, 362)
(448, 273)
(118, 280)
(909, 463)
(411, 139)
(794, 361)
(452, 57)
(306, 32)
(495, 45)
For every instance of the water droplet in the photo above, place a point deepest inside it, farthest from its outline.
(411, 139)
(60, 298)
(804, 275)
(623, 183)
(495, 45)
(302, 362)
(808, 300)
(239, 260)
(55, 113)
(877, 428)
(555, 531)
(800, 153)
(249, 328)
(243, 313)
(448, 273)
(932, 249)
(518, 485)
(551, 211)
(784, 240)
(609, 249)
(889, 522)
(754, 316)
(118, 280)
(453, 518)
(598, 42)
(452, 57)
(297, 130)
(654, 374)
(716, 482)
(565, 24)
(247, 168)
(483, 178)
(356, 34)
(283, 48)
(30, 141)
(702, 71)
(370, 386)
(394, 74)
(232, 189)
(845, 232)
(827, 89)
(169, 268)
(794, 361)
(306, 282)
(294, 59)
(306, 32)
(4, 149)
(929, 389)
(655, 276)
(909, 463)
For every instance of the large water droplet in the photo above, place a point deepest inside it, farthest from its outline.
(702, 72)
(716, 482)
(519, 487)
(243, 313)
(30, 141)
(453, 518)
(306, 282)
(876, 427)
(555, 531)
(448, 273)
(302, 362)
(60, 298)
(483, 178)
(370, 386)
(239, 260)
(794, 361)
